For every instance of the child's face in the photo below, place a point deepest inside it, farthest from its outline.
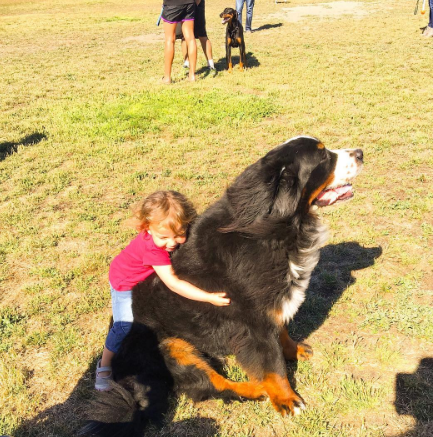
(164, 237)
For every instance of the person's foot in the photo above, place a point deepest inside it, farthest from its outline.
(166, 80)
(428, 31)
(103, 377)
(186, 64)
(191, 77)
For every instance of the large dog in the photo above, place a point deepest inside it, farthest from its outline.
(259, 243)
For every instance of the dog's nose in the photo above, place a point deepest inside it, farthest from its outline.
(359, 155)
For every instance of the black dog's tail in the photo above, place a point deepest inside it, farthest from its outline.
(140, 395)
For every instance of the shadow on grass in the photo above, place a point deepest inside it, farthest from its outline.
(8, 148)
(66, 419)
(331, 277)
(252, 62)
(414, 397)
(267, 27)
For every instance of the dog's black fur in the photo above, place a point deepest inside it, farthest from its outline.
(234, 38)
(259, 243)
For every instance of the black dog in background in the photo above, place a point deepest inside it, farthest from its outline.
(259, 243)
(234, 37)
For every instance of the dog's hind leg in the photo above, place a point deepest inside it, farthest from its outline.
(293, 350)
(194, 376)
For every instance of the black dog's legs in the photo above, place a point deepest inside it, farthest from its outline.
(229, 54)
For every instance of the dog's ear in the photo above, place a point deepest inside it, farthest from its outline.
(235, 16)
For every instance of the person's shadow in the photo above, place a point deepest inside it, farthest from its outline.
(8, 147)
(414, 396)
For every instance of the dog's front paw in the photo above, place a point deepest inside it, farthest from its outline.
(304, 351)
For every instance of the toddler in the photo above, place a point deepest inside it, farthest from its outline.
(163, 219)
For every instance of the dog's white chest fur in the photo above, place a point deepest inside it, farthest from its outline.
(290, 306)
(301, 264)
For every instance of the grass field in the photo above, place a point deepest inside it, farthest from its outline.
(86, 127)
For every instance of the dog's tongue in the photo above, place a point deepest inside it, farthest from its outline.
(328, 197)
(225, 20)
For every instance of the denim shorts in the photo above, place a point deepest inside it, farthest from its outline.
(121, 302)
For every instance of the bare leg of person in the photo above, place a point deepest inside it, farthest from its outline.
(188, 33)
(170, 39)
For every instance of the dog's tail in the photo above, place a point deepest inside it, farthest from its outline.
(141, 394)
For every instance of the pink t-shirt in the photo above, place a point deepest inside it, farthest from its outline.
(134, 263)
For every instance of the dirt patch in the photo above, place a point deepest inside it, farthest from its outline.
(151, 38)
(322, 10)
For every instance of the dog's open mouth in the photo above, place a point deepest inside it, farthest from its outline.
(226, 19)
(333, 195)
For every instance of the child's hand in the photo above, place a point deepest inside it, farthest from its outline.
(219, 299)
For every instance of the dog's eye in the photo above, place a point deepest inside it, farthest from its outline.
(324, 156)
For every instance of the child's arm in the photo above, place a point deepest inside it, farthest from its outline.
(188, 290)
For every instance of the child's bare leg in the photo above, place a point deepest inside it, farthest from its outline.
(188, 33)
(170, 38)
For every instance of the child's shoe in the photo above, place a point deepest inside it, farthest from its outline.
(102, 383)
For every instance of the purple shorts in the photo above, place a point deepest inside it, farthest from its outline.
(178, 13)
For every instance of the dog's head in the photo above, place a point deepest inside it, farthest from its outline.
(228, 14)
(290, 180)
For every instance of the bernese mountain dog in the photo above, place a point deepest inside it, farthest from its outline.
(259, 243)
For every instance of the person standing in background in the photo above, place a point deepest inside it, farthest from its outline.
(200, 33)
(428, 31)
(173, 12)
(249, 8)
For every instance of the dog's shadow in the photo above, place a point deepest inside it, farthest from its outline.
(66, 419)
(252, 62)
(330, 279)
(9, 147)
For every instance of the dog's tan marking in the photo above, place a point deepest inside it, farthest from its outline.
(293, 350)
(187, 355)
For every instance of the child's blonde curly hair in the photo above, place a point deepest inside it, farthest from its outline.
(170, 207)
